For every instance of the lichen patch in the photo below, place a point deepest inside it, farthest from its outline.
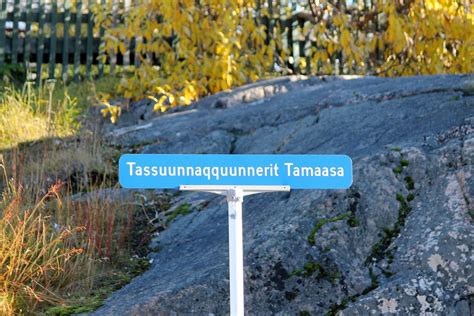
(436, 260)
(388, 306)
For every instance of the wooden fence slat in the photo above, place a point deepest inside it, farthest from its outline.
(289, 37)
(27, 50)
(258, 9)
(40, 42)
(281, 28)
(308, 58)
(113, 53)
(270, 22)
(3, 15)
(53, 41)
(280, 22)
(258, 13)
(265, 20)
(77, 41)
(67, 21)
(90, 35)
(101, 38)
(308, 45)
(16, 19)
(301, 44)
(314, 49)
(126, 56)
(136, 42)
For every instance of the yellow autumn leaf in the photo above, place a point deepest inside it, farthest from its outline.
(345, 39)
(153, 98)
(159, 104)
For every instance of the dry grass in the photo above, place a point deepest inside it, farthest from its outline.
(33, 253)
(28, 115)
(58, 250)
(53, 110)
(83, 162)
(55, 249)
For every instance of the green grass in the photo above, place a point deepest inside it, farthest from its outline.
(321, 223)
(379, 249)
(308, 269)
(471, 214)
(374, 283)
(397, 170)
(353, 221)
(29, 114)
(182, 210)
(409, 183)
(87, 91)
(400, 198)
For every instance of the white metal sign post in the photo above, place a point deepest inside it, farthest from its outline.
(235, 176)
(235, 197)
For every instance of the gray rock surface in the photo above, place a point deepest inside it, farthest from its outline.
(400, 241)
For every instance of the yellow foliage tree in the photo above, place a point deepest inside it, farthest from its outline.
(190, 48)
(394, 38)
(430, 37)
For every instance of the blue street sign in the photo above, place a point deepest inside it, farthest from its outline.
(150, 171)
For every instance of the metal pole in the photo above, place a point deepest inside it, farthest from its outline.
(236, 252)
(235, 197)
